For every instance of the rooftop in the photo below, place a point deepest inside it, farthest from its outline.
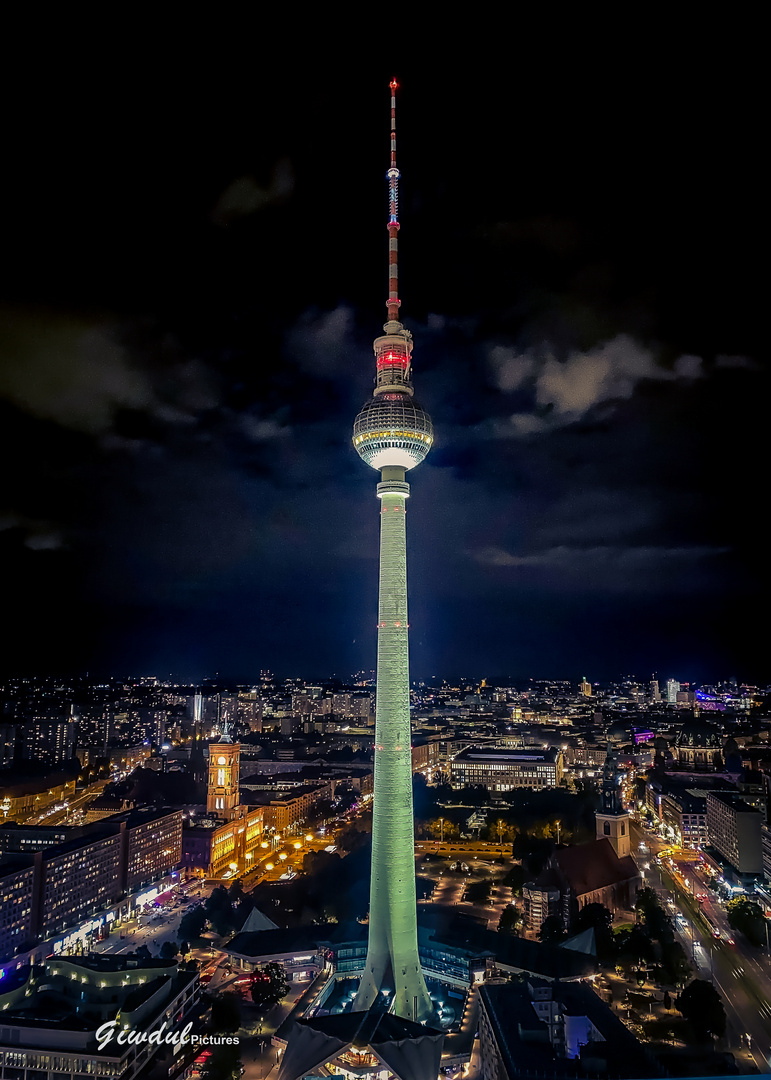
(732, 799)
(595, 865)
(501, 755)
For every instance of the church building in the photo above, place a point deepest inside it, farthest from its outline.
(599, 872)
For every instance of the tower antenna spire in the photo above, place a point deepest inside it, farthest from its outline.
(393, 174)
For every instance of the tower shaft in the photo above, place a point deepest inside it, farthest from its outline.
(392, 953)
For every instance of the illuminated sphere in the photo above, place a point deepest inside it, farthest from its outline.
(392, 429)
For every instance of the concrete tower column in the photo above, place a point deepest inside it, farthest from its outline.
(392, 954)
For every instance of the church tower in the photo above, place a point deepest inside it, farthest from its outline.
(612, 819)
(224, 774)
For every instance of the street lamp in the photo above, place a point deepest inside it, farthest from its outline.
(441, 828)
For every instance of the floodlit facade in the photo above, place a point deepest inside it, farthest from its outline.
(392, 433)
(224, 774)
(733, 829)
(506, 770)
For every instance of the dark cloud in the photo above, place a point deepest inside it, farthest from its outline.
(245, 196)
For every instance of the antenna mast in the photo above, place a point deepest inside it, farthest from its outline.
(393, 174)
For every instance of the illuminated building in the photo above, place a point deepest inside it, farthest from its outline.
(22, 799)
(7, 745)
(612, 819)
(698, 747)
(556, 1030)
(85, 871)
(50, 740)
(17, 895)
(224, 774)
(599, 872)
(392, 433)
(507, 770)
(49, 1021)
(734, 830)
(224, 844)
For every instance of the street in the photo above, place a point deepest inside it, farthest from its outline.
(737, 971)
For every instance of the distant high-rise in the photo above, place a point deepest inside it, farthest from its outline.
(50, 740)
(392, 433)
(673, 689)
(586, 687)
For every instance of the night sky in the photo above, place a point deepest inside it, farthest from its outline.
(194, 269)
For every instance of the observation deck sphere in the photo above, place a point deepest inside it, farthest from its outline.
(392, 429)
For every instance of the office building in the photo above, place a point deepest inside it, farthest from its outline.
(49, 1024)
(501, 770)
(91, 868)
(733, 830)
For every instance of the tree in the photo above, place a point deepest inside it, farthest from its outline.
(552, 931)
(143, 953)
(442, 828)
(510, 921)
(655, 919)
(168, 950)
(477, 891)
(597, 917)
(702, 1007)
(747, 917)
(269, 985)
(219, 911)
(674, 963)
(515, 879)
(192, 923)
(634, 943)
(184, 948)
(236, 892)
(226, 1012)
(224, 1064)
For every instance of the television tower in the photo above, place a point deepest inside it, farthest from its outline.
(392, 433)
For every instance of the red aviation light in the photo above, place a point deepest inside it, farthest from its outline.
(394, 84)
(392, 359)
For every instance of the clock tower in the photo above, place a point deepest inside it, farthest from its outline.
(224, 773)
(612, 819)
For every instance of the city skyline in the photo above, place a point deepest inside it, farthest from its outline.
(186, 332)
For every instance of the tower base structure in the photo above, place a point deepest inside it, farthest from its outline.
(363, 1041)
